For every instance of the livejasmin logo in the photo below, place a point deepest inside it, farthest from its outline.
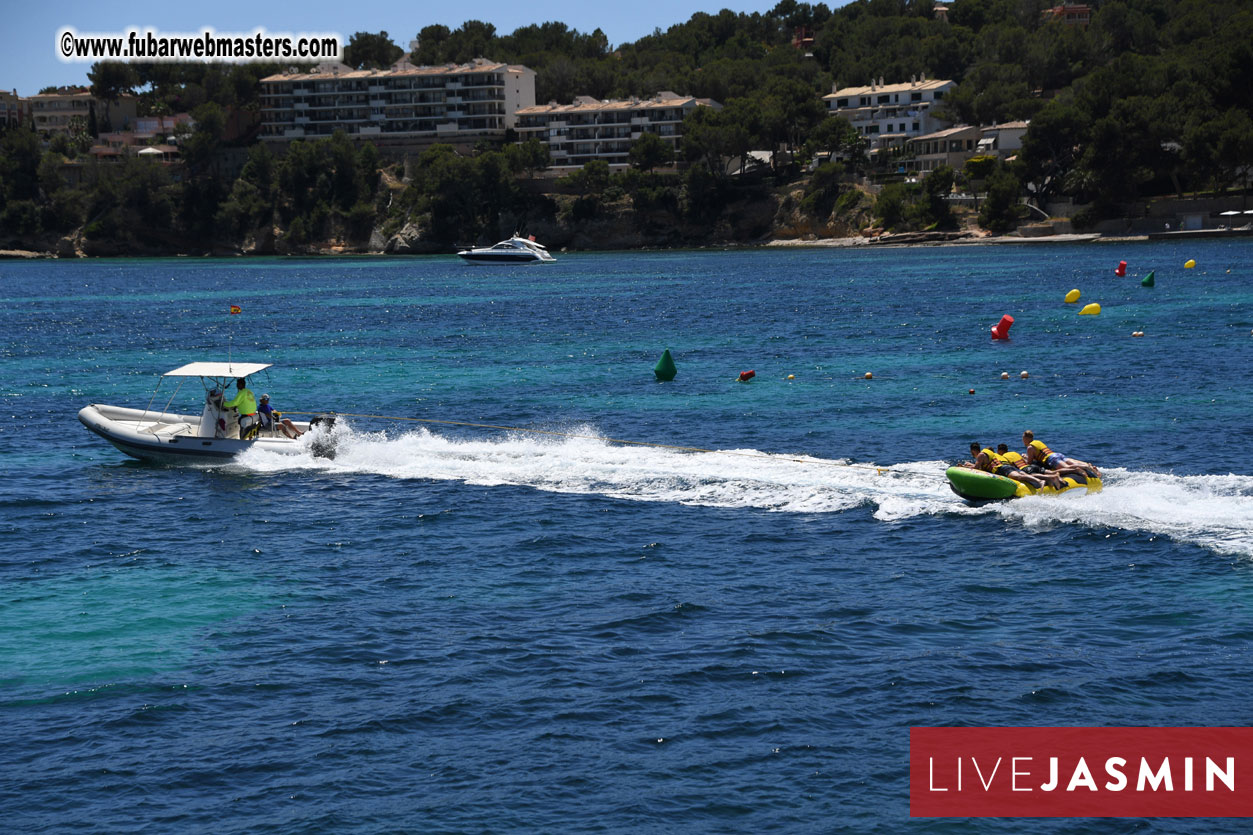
(1081, 776)
(1081, 772)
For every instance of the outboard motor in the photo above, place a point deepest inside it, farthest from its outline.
(212, 422)
(322, 443)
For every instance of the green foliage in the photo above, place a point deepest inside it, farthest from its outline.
(366, 50)
(704, 193)
(932, 210)
(650, 151)
(591, 180)
(979, 168)
(528, 157)
(902, 206)
(824, 190)
(131, 202)
(835, 135)
(1001, 210)
(21, 218)
(889, 208)
(19, 164)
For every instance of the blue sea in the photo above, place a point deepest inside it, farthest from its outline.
(486, 614)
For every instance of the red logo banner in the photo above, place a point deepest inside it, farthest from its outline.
(1081, 772)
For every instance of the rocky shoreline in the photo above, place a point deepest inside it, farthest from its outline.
(964, 238)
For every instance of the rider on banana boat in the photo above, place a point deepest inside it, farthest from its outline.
(1041, 456)
(988, 461)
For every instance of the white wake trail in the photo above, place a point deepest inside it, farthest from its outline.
(1215, 512)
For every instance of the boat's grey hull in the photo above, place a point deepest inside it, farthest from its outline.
(170, 449)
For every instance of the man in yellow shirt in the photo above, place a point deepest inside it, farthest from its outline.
(245, 403)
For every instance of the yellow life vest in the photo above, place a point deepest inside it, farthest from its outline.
(1037, 452)
(994, 460)
(1014, 458)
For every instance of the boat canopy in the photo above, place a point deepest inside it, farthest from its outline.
(217, 369)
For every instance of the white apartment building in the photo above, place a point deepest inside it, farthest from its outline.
(403, 105)
(886, 115)
(590, 129)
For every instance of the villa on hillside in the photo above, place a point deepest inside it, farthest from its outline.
(1003, 140)
(590, 129)
(887, 115)
(953, 146)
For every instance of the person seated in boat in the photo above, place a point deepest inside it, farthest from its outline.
(244, 402)
(271, 419)
(1041, 455)
(989, 462)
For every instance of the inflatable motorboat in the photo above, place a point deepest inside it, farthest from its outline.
(978, 486)
(212, 436)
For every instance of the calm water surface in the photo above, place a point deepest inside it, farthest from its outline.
(450, 628)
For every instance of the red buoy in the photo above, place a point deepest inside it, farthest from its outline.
(1001, 329)
(1121, 270)
(745, 376)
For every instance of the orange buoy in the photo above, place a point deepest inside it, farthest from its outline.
(1001, 329)
(745, 376)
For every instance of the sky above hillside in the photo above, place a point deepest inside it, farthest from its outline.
(29, 59)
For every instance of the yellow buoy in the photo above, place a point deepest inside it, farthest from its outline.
(869, 376)
(1024, 375)
(1090, 310)
(1004, 375)
(1137, 333)
(1189, 264)
(1072, 296)
(791, 376)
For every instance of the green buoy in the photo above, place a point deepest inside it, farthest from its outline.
(664, 369)
(1147, 281)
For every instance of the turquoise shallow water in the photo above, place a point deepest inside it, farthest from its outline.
(449, 628)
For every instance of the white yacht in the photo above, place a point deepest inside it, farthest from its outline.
(516, 250)
(213, 435)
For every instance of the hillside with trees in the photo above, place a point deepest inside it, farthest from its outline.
(1151, 98)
